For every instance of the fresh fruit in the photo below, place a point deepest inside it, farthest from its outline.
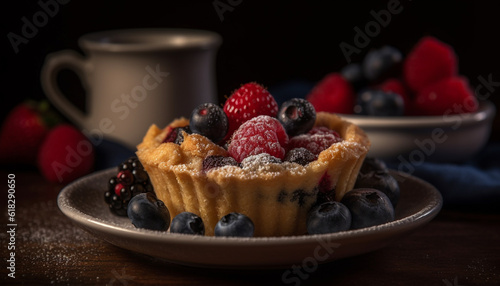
(146, 211)
(65, 154)
(353, 73)
(175, 135)
(209, 120)
(130, 180)
(326, 192)
(261, 134)
(23, 132)
(216, 161)
(328, 217)
(373, 165)
(247, 102)
(379, 103)
(430, 61)
(381, 181)
(316, 140)
(451, 95)
(187, 223)
(297, 116)
(300, 156)
(397, 86)
(380, 63)
(332, 94)
(368, 207)
(234, 224)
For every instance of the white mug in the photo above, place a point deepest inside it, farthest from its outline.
(135, 78)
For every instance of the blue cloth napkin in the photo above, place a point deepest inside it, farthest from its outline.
(476, 182)
(110, 154)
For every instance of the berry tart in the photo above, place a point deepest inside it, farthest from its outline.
(252, 157)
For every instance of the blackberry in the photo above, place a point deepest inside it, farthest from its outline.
(130, 180)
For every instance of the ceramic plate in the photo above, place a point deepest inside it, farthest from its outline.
(83, 202)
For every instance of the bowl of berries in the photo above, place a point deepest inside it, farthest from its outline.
(414, 108)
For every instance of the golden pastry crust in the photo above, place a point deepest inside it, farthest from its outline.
(276, 196)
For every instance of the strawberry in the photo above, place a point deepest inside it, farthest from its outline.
(65, 154)
(247, 102)
(430, 60)
(23, 132)
(447, 96)
(397, 86)
(332, 94)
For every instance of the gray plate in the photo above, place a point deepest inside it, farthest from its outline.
(83, 202)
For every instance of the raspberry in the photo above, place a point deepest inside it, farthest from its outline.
(247, 102)
(430, 60)
(262, 134)
(332, 94)
(316, 140)
(448, 96)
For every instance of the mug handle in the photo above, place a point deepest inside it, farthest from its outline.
(54, 63)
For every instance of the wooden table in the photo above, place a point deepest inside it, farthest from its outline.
(457, 248)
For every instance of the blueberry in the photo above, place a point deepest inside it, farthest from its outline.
(381, 181)
(297, 116)
(328, 217)
(300, 156)
(353, 73)
(381, 63)
(368, 207)
(379, 103)
(373, 165)
(209, 120)
(146, 211)
(188, 223)
(234, 224)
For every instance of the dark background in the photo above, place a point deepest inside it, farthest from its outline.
(269, 42)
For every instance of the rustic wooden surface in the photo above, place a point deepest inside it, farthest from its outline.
(459, 247)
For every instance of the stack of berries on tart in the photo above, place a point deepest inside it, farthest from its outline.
(253, 168)
(425, 82)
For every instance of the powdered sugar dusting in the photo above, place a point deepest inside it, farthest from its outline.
(53, 245)
(259, 161)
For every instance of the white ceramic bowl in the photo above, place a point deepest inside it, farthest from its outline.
(450, 138)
